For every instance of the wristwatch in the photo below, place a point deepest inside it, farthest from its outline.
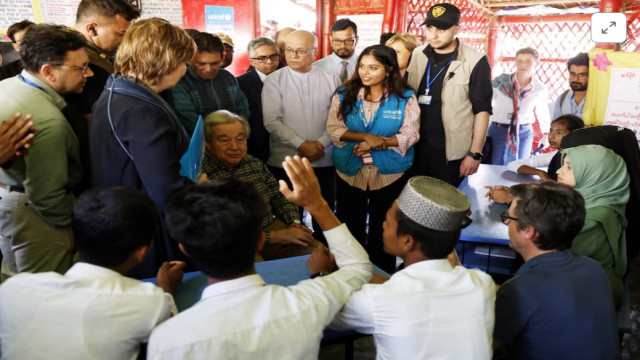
(475, 156)
(318, 274)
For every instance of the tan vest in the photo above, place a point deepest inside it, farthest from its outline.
(457, 114)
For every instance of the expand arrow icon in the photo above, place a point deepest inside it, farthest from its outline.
(604, 31)
(612, 24)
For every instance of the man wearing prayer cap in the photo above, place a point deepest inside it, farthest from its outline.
(453, 85)
(430, 309)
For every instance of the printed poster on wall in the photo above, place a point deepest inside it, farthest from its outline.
(219, 19)
(623, 107)
(59, 11)
(613, 97)
(369, 29)
(13, 11)
(170, 10)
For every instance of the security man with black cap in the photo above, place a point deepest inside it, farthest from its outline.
(453, 85)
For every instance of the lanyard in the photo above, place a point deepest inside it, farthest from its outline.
(29, 82)
(363, 116)
(428, 80)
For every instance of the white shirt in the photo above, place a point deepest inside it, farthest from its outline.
(427, 311)
(538, 161)
(333, 64)
(90, 312)
(536, 100)
(295, 107)
(262, 76)
(245, 319)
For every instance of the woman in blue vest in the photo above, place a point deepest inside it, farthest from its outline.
(373, 123)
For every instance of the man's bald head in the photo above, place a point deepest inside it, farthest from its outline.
(300, 50)
(282, 34)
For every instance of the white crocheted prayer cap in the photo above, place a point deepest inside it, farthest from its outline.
(434, 204)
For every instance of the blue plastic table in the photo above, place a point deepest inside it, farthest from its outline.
(487, 228)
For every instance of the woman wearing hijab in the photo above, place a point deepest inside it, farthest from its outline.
(601, 177)
(373, 123)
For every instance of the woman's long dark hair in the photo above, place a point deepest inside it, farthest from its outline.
(393, 84)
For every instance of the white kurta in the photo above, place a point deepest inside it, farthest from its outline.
(90, 312)
(245, 319)
(295, 107)
(427, 311)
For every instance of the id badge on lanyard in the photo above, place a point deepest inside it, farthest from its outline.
(425, 99)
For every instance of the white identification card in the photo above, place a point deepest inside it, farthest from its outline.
(424, 99)
(367, 159)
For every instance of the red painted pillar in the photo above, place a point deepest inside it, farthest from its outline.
(492, 40)
(389, 19)
(401, 16)
(402, 25)
(257, 28)
(326, 17)
(610, 6)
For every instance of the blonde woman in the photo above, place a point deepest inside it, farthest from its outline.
(403, 44)
(136, 138)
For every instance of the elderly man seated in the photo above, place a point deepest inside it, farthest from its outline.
(226, 137)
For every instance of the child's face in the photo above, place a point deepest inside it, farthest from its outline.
(557, 132)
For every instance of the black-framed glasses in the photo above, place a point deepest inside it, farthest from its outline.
(348, 42)
(580, 76)
(299, 52)
(506, 219)
(75, 67)
(263, 59)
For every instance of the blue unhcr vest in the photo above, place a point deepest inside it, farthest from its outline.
(386, 121)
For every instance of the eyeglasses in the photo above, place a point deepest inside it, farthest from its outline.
(580, 76)
(506, 219)
(348, 42)
(299, 52)
(74, 67)
(263, 59)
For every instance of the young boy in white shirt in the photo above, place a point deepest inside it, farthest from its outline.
(93, 311)
(430, 309)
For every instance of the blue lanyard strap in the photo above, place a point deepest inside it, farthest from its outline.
(29, 82)
(428, 80)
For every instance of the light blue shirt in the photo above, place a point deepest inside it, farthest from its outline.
(568, 105)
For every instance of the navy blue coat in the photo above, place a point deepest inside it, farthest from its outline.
(258, 143)
(156, 144)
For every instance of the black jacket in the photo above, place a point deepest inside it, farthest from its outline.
(251, 86)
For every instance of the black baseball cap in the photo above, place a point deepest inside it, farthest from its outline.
(442, 16)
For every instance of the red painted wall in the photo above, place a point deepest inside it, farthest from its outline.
(245, 20)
